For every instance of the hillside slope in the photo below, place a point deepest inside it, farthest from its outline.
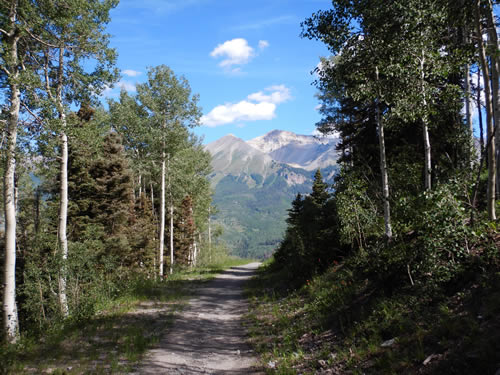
(346, 321)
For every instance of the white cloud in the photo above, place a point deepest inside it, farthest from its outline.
(128, 86)
(235, 51)
(242, 111)
(263, 44)
(131, 73)
(257, 106)
(277, 94)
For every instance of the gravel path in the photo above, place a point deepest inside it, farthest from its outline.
(208, 337)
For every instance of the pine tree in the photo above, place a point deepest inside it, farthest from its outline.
(319, 193)
(141, 237)
(294, 213)
(113, 201)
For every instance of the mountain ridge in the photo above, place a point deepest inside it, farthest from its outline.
(255, 181)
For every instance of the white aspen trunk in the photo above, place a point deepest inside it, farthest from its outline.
(209, 236)
(383, 167)
(171, 237)
(152, 199)
(425, 129)
(10, 318)
(491, 195)
(195, 253)
(162, 215)
(140, 185)
(63, 218)
(63, 175)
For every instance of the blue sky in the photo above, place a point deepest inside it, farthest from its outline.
(244, 58)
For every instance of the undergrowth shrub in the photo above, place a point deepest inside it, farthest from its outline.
(91, 278)
(444, 233)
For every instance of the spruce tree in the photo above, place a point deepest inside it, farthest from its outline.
(113, 200)
(319, 193)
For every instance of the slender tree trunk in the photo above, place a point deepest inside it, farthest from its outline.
(494, 54)
(425, 129)
(63, 175)
(140, 185)
(152, 198)
(468, 104)
(10, 316)
(162, 213)
(195, 253)
(479, 111)
(11, 324)
(468, 113)
(209, 235)
(383, 167)
(171, 237)
(63, 219)
(489, 117)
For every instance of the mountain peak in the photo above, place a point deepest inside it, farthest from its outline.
(305, 151)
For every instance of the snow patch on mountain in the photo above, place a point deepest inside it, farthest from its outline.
(299, 151)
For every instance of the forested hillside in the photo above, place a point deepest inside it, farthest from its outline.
(394, 268)
(96, 195)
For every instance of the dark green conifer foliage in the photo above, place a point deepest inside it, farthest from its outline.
(184, 232)
(84, 150)
(113, 200)
(142, 237)
(294, 213)
(319, 194)
(311, 239)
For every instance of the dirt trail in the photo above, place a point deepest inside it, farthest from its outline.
(208, 337)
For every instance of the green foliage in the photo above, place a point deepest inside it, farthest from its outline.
(184, 233)
(311, 240)
(445, 236)
(358, 215)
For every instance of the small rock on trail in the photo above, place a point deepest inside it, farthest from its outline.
(208, 337)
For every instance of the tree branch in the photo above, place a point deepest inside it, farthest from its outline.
(31, 112)
(47, 44)
(46, 71)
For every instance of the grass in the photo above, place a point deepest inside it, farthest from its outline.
(116, 338)
(340, 322)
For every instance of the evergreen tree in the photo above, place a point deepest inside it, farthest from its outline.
(319, 194)
(113, 203)
(141, 236)
(184, 233)
(294, 213)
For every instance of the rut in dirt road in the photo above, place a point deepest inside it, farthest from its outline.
(208, 337)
